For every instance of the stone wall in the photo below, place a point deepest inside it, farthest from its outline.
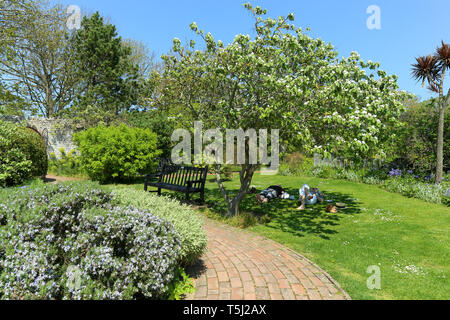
(57, 133)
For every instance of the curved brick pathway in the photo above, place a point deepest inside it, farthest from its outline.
(240, 265)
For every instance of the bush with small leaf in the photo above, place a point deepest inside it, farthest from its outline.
(117, 154)
(73, 241)
(186, 221)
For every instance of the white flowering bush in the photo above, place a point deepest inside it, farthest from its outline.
(349, 175)
(185, 220)
(73, 242)
(282, 79)
(428, 192)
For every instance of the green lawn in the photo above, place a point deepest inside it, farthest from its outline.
(408, 239)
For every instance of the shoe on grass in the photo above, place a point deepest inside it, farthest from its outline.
(259, 198)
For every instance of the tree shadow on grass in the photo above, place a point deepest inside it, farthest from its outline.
(314, 220)
(283, 214)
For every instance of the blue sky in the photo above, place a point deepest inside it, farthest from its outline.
(408, 28)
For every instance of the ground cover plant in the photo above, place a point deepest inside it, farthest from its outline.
(73, 241)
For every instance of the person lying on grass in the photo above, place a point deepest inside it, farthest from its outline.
(310, 196)
(272, 192)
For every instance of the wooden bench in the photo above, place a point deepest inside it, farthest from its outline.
(161, 163)
(178, 178)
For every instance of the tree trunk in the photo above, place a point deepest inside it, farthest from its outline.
(443, 102)
(246, 176)
(440, 145)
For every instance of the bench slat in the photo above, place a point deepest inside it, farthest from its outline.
(186, 179)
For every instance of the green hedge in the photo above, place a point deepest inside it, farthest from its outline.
(23, 154)
(186, 221)
(117, 154)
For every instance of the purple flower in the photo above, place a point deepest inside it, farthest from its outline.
(395, 173)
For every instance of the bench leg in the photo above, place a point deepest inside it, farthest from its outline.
(187, 197)
(202, 197)
(159, 191)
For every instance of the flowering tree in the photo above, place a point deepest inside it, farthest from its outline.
(432, 69)
(283, 79)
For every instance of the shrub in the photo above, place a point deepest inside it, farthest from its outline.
(246, 220)
(117, 154)
(186, 221)
(34, 148)
(158, 122)
(418, 139)
(73, 242)
(349, 175)
(23, 154)
(296, 164)
(414, 189)
(68, 165)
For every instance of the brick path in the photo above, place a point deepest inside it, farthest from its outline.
(240, 265)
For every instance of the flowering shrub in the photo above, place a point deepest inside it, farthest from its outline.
(73, 242)
(349, 175)
(395, 173)
(415, 189)
(185, 220)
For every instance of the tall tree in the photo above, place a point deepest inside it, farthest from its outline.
(109, 79)
(147, 69)
(283, 79)
(432, 69)
(12, 104)
(37, 57)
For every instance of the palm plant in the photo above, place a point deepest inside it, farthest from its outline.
(432, 69)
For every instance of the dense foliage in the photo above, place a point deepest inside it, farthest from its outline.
(108, 79)
(72, 242)
(10, 103)
(23, 154)
(187, 222)
(158, 122)
(117, 154)
(417, 141)
(68, 164)
(34, 148)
